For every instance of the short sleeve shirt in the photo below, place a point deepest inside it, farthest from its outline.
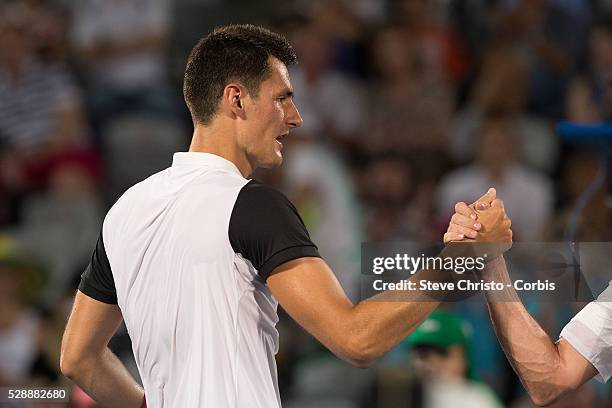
(590, 333)
(186, 254)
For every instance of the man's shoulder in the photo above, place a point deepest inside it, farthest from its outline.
(254, 191)
(140, 187)
(256, 187)
(260, 202)
(134, 194)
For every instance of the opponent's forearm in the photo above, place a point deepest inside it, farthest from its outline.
(530, 351)
(106, 380)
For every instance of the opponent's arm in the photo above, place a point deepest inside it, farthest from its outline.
(87, 360)
(547, 370)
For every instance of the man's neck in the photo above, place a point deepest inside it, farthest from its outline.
(221, 143)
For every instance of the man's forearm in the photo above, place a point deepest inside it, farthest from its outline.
(107, 381)
(529, 349)
(380, 325)
(382, 321)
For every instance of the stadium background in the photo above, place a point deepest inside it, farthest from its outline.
(408, 106)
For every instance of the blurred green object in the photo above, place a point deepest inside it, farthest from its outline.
(441, 329)
(32, 272)
(444, 329)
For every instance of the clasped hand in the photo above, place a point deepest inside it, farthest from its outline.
(482, 222)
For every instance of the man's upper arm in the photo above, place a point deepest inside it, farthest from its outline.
(97, 281)
(310, 293)
(576, 370)
(90, 327)
(266, 229)
(95, 316)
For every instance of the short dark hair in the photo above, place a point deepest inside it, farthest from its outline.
(231, 53)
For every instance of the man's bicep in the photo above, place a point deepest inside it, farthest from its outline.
(576, 368)
(310, 293)
(90, 327)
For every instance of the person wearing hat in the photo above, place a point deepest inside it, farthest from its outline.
(20, 323)
(440, 355)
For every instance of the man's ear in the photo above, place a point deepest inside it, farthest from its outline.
(233, 100)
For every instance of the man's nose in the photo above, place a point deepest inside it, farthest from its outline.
(294, 119)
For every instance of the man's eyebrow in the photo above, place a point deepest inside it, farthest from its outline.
(287, 93)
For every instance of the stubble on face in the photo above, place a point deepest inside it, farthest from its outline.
(268, 113)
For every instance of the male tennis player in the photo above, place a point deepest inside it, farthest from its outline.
(196, 258)
(547, 370)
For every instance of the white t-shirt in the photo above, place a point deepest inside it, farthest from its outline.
(590, 333)
(185, 254)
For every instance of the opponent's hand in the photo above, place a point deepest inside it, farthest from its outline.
(495, 225)
(464, 222)
(491, 229)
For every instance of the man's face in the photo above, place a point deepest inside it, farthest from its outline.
(443, 364)
(269, 117)
(15, 45)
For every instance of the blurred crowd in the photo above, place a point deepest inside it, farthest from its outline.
(409, 106)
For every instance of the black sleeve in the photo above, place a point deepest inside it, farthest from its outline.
(97, 281)
(266, 229)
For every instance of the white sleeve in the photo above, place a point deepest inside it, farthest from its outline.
(590, 333)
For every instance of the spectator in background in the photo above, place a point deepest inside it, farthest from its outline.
(441, 360)
(347, 22)
(49, 29)
(538, 31)
(492, 92)
(387, 186)
(398, 200)
(579, 172)
(41, 113)
(588, 97)
(409, 107)
(20, 325)
(330, 102)
(121, 47)
(441, 49)
(60, 222)
(474, 24)
(497, 165)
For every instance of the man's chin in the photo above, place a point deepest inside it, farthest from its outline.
(277, 161)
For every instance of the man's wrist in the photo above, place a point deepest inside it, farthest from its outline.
(493, 269)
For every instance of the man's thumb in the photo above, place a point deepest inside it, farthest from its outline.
(487, 198)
